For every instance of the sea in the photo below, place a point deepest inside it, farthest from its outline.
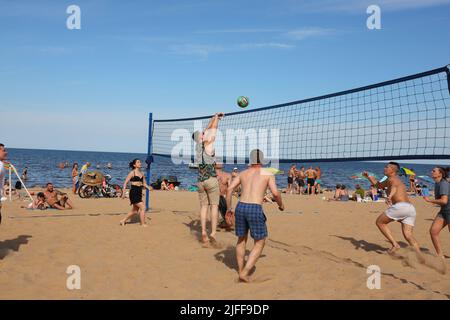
(43, 167)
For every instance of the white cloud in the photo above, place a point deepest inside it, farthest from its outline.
(249, 30)
(309, 32)
(204, 50)
(352, 6)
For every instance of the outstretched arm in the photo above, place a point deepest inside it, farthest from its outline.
(211, 129)
(375, 182)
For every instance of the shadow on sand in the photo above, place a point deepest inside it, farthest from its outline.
(7, 246)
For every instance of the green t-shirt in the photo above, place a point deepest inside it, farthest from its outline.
(361, 192)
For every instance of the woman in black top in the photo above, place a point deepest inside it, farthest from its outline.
(137, 179)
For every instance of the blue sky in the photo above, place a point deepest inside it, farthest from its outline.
(92, 89)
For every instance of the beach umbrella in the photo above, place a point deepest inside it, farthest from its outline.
(359, 176)
(407, 172)
(275, 171)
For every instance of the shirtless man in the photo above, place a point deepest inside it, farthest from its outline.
(291, 177)
(249, 214)
(400, 209)
(224, 180)
(300, 179)
(310, 180)
(318, 180)
(51, 197)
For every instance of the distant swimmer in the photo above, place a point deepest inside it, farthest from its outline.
(400, 209)
(249, 213)
(109, 165)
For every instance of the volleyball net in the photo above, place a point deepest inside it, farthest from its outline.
(405, 118)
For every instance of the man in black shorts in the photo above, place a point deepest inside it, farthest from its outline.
(311, 180)
(290, 179)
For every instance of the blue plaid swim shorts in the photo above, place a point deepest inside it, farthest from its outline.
(250, 216)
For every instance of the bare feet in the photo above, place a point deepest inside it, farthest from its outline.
(205, 239)
(144, 225)
(122, 223)
(244, 278)
(394, 248)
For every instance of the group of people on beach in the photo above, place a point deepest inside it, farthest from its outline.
(216, 189)
(304, 181)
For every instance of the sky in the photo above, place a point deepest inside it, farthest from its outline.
(92, 89)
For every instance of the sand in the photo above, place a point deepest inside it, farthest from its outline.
(315, 250)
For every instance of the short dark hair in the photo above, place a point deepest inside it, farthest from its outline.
(396, 164)
(40, 195)
(2, 145)
(48, 183)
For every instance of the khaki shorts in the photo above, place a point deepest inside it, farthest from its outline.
(208, 192)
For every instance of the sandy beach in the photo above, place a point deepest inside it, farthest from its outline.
(315, 250)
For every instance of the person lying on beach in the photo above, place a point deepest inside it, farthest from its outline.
(249, 214)
(400, 208)
(57, 199)
(38, 203)
(165, 185)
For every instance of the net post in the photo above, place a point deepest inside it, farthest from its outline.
(149, 159)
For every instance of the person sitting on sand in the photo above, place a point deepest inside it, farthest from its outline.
(400, 208)
(441, 195)
(337, 193)
(165, 185)
(249, 214)
(51, 197)
(38, 203)
(359, 191)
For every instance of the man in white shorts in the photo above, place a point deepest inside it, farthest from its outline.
(3, 156)
(400, 209)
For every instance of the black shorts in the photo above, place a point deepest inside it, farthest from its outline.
(222, 206)
(310, 181)
(290, 180)
(300, 182)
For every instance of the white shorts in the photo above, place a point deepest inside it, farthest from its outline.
(403, 212)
